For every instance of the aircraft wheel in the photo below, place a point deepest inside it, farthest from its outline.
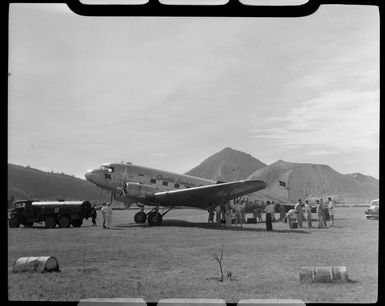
(50, 222)
(64, 222)
(14, 223)
(140, 217)
(154, 218)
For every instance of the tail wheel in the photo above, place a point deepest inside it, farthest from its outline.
(77, 223)
(140, 217)
(50, 222)
(64, 222)
(154, 218)
(14, 222)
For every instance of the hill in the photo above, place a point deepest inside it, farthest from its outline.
(29, 183)
(289, 182)
(370, 183)
(227, 165)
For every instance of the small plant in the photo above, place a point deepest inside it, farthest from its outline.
(219, 260)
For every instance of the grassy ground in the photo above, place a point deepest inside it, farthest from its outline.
(174, 260)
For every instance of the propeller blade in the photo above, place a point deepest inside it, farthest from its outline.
(124, 182)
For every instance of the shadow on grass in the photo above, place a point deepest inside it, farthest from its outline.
(212, 226)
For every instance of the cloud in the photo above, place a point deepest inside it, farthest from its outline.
(344, 120)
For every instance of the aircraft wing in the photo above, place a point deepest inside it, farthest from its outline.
(202, 196)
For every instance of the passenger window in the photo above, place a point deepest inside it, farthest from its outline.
(165, 183)
(176, 185)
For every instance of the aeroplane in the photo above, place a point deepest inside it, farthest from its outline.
(132, 183)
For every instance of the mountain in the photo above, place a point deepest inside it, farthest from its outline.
(29, 183)
(227, 165)
(289, 182)
(367, 181)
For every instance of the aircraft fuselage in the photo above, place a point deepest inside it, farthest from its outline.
(138, 183)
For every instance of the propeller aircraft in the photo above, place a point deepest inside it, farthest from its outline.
(132, 183)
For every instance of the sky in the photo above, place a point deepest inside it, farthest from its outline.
(170, 92)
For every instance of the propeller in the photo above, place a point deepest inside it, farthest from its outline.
(123, 188)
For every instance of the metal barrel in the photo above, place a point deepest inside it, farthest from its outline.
(323, 274)
(36, 264)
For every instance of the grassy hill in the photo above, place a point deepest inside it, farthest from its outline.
(29, 183)
(313, 181)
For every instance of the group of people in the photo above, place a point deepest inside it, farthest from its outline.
(302, 211)
(226, 212)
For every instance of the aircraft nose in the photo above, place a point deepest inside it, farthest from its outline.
(89, 174)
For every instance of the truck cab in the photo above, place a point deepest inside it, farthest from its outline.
(23, 213)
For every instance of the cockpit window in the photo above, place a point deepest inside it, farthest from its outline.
(105, 168)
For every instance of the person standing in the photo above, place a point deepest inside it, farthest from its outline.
(238, 213)
(308, 213)
(255, 209)
(282, 212)
(228, 213)
(269, 210)
(243, 211)
(299, 207)
(211, 214)
(93, 216)
(218, 215)
(331, 210)
(320, 214)
(103, 214)
(107, 210)
(324, 208)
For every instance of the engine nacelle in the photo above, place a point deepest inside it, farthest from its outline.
(140, 191)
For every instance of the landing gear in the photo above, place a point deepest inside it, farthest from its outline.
(154, 218)
(140, 217)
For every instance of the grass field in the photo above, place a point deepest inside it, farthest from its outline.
(175, 259)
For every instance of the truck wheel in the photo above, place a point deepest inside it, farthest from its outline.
(64, 222)
(77, 223)
(28, 224)
(14, 223)
(50, 222)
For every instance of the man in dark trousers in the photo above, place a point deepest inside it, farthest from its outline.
(93, 215)
(269, 210)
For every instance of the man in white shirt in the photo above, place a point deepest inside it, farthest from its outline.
(308, 213)
(218, 214)
(238, 213)
(107, 212)
(269, 210)
(331, 209)
(299, 207)
(291, 216)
